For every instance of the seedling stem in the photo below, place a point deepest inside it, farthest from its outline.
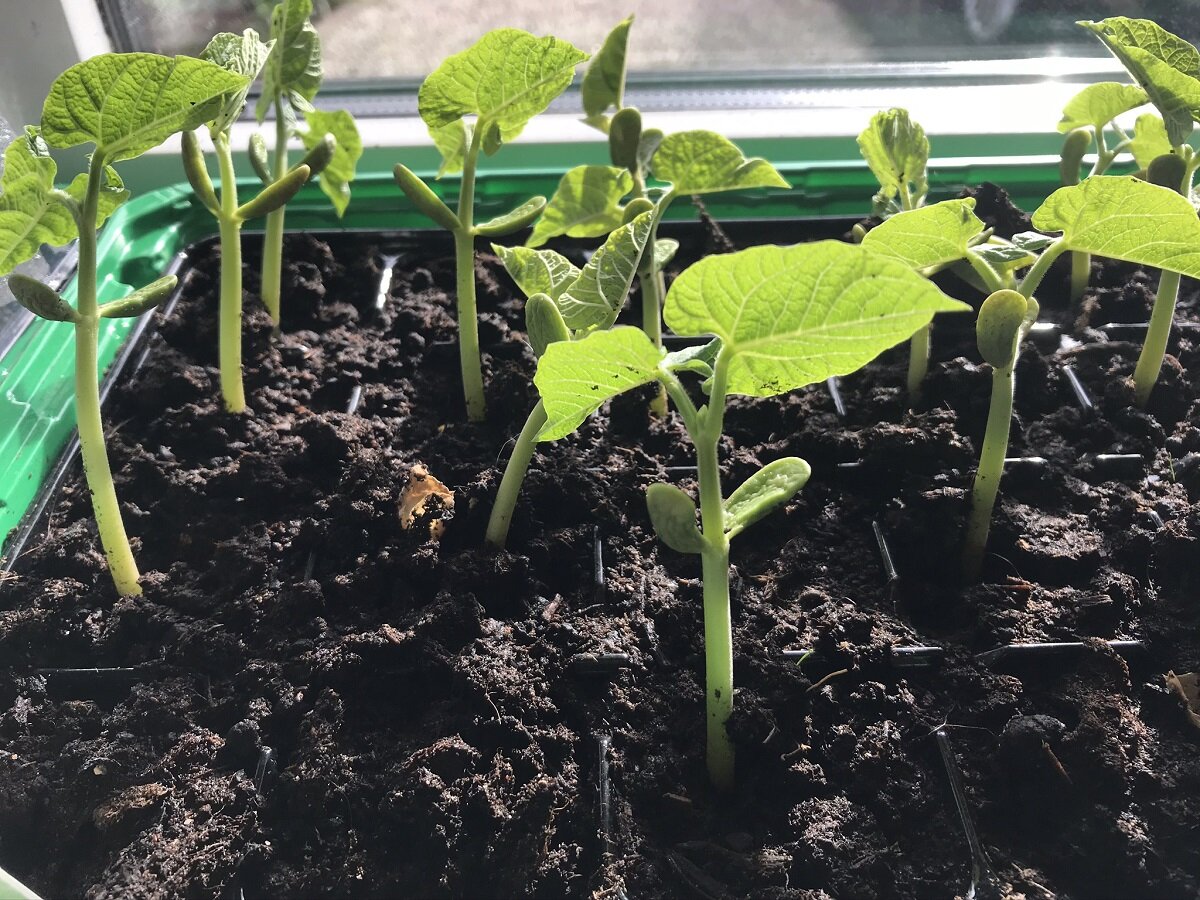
(87, 398)
(230, 355)
(464, 257)
(272, 266)
(514, 475)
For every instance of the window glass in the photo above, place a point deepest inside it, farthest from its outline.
(368, 39)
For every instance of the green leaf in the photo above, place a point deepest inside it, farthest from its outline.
(514, 219)
(575, 378)
(929, 236)
(537, 271)
(597, 295)
(30, 215)
(768, 488)
(604, 81)
(451, 141)
(1032, 241)
(127, 103)
(587, 203)
(293, 69)
(1004, 256)
(664, 251)
(40, 299)
(1122, 217)
(112, 193)
(700, 358)
(704, 162)
(896, 151)
(998, 328)
(544, 323)
(335, 178)
(673, 515)
(243, 54)
(1098, 104)
(1166, 66)
(506, 78)
(140, 301)
(1150, 139)
(625, 138)
(792, 316)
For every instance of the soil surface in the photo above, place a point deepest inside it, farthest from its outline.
(311, 700)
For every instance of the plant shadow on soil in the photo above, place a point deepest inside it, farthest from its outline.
(323, 703)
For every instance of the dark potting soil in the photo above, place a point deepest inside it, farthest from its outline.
(311, 700)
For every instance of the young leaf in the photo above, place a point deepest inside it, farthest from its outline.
(506, 78)
(112, 193)
(514, 219)
(242, 54)
(587, 203)
(537, 271)
(927, 236)
(293, 68)
(598, 294)
(604, 81)
(451, 141)
(673, 515)
(337, 174)
(1166, 66)
(544, 323)
(664, 251)
(895, 149)
(575, 378)
(998, 328)
(768, 488)
(30, 215)
(127, 103)
(1032, 241)
(1150, 139)
(703, 162)
(792, 316)
(1122, 217)
(40, 299)
(1004, 256)
(140, 301)
(1098, 104)
(699, 358)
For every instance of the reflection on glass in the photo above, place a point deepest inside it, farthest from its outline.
(392, 39)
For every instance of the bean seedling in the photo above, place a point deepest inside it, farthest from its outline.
(1085, 119)
(124, 104)
(1118, 217)
(588, 201)
(244, 55)
(896, 151)
(783, 317)
(1167, 68)
(292, 77)
(504, 80)
(564, 304)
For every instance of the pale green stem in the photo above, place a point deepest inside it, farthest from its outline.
(990, 278)
(991, 467)
(514, 475)
(705, 426)
(654, 289)
(121, 564)
(11, 889)
(230, 337)
(470, 360)
(272, 262)
(1033, 278)
(918, 362)
(1081, 271)
(1150, 361)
